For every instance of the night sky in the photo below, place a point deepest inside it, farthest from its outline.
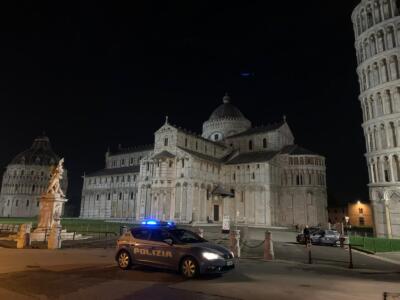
(93, 75)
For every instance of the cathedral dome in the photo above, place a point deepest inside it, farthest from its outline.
(226, 111)
(40, 154)
(225, 120)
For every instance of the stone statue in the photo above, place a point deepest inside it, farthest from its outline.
(54, 186)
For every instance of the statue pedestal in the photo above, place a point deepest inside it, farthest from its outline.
(51, 209)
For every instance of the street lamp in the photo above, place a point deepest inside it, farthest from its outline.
(347, 218)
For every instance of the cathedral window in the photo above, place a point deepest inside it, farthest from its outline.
(258, 166)
(27, 203)
(166, 142)
(129, 178)
(131, 195)
(97, 197)
(8, 202)
(37, 204)
(117, 178)
(131, 161)
(298, 180)
(109, 196)
(253, 176)
(234, 176)
(170, 163)
(122, 162)
(186, 142)
(33, 188)
(215, 137)
(120, 196)
(250, 145)
(147, 166)
(183, 162)
(16, 203)
(264, 143)
(134, 177)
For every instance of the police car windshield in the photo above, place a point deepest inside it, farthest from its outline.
(186, 236)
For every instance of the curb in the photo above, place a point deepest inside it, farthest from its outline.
(395, 262)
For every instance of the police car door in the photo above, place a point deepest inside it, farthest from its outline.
(140, 245)
(164, 254)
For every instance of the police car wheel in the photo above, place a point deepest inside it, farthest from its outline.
(189, 268)
(124, 260)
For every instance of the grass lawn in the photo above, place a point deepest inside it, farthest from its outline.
(74, 224)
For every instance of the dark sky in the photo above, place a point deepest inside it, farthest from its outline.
(93, 74)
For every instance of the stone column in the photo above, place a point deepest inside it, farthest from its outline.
(388, 219)
(390, 158)
(382, 167)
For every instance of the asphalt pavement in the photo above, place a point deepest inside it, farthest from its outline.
(93, 274)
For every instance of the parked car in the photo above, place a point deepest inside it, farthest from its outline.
(325, 237)
(163, 245)
(300, 237)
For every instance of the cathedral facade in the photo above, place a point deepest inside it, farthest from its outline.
(254, 175)
(26, 178)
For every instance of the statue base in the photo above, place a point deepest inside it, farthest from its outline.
(51, 209)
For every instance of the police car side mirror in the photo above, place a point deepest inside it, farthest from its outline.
(168, 241)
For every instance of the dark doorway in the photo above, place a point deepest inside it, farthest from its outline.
(216, 212)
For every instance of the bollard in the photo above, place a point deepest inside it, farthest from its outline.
(268, 246)
(200, 232)
(235, 242)
(350, 258)
(23, 236)
(309, 256)
(54, 241)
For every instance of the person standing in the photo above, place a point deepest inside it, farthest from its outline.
(306, 233)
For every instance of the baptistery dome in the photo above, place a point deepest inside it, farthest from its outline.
(225, 120)
(40, 153)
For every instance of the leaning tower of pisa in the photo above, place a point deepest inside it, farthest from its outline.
(377, 32)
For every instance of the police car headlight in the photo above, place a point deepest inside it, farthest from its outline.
(210, 256)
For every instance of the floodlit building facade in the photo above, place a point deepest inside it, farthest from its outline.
(254, 175)
(26, 178)
(377, 32)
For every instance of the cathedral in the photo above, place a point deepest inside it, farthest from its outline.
(253, 175)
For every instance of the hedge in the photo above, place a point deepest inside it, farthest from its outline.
(375, 244)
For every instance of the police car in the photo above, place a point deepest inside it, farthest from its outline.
(163, 245)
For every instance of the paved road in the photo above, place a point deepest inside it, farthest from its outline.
(92, 274)
(331, 256)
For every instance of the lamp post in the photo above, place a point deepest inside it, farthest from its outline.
(347, 218)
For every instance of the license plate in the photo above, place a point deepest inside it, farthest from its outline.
(229, 263)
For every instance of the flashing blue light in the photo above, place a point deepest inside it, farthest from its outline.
(150, 222)
(160, 223)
